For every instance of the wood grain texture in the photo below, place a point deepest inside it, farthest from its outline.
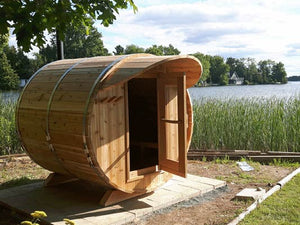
(51, 111)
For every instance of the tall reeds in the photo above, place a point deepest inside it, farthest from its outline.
(248, 124)
(9, 142)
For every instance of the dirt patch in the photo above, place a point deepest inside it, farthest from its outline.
(217, 207)
(16, 171)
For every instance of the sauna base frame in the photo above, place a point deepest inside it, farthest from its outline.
(110, 197)
(55, 179)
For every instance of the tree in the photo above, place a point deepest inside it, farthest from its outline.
(155, 50)
(279, 73)
(237, 65)
(30, 19)
(253, 76)
(78, 45)
(163, 50)
(224, 79)
(218, 70)
(232, 63)
(130, 49)
(265, 69)
(170, 50)
(204, 59)
(8, 78)
(119, 50)
(19, 62)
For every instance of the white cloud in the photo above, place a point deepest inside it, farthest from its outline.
(261, 29)
(258, 29)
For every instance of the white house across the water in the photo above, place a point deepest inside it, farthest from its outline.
(234, 79)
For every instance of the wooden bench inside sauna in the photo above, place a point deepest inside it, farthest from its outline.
(122, 122)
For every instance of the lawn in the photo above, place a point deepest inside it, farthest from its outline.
(281, 208)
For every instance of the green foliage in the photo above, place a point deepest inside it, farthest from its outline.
(265, 69)
(284, 163)
(77, 45)
(224, 79)
(170, 50)
(31, 18)
(20, 63)
(204, 59)
(154, 49)
(257, 123)
(9, 142)
(293, 78)
(278, 73)
(131, 49)
(218, 70)
(236, 65)
(119, 50)
(8, 78)
(265, 72)
(280, 208)
(163, 50)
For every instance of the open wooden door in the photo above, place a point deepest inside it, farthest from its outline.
(172, 123)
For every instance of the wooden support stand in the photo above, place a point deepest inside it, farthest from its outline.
(111, 197)
(55, 179)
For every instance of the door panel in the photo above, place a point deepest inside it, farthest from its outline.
(172, 124)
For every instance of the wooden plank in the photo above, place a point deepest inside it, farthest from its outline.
(69, 139)
(109, 132)
(182, 126)
(55, 179)
(161, 128)
(189, 111)
(127, 137)
(111, 197)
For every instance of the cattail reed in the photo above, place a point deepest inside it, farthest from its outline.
(248, 124)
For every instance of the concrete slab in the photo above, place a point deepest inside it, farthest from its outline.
(250, 193)
(78, 201)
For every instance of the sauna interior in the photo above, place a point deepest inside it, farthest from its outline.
(142, 104)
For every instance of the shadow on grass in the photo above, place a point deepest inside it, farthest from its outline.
(18, 182)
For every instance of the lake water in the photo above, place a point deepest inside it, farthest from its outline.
(282, 91)
(288, 90)
(10, 95)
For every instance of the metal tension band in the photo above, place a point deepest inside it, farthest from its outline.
(101, 75)
(18, 106)
(48, 137)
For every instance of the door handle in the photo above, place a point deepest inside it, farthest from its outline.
(171, 121)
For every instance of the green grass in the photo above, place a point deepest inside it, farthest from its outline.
(236, 175)
(9, 142)
(247, 124)
(284, 163)
(281, 208)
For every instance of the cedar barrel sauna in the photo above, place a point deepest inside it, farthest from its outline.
(123, 122)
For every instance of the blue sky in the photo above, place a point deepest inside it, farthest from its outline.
(260, 29)
(265, 29)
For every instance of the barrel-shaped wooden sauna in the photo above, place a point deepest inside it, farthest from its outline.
(123, 122)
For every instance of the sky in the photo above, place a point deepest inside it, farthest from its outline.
(260, 29)
(265, 29)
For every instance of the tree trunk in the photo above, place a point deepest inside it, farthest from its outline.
(59, 47)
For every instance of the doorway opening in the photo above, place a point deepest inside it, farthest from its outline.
(143, 128)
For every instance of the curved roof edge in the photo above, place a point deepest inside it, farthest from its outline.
(134, 65)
